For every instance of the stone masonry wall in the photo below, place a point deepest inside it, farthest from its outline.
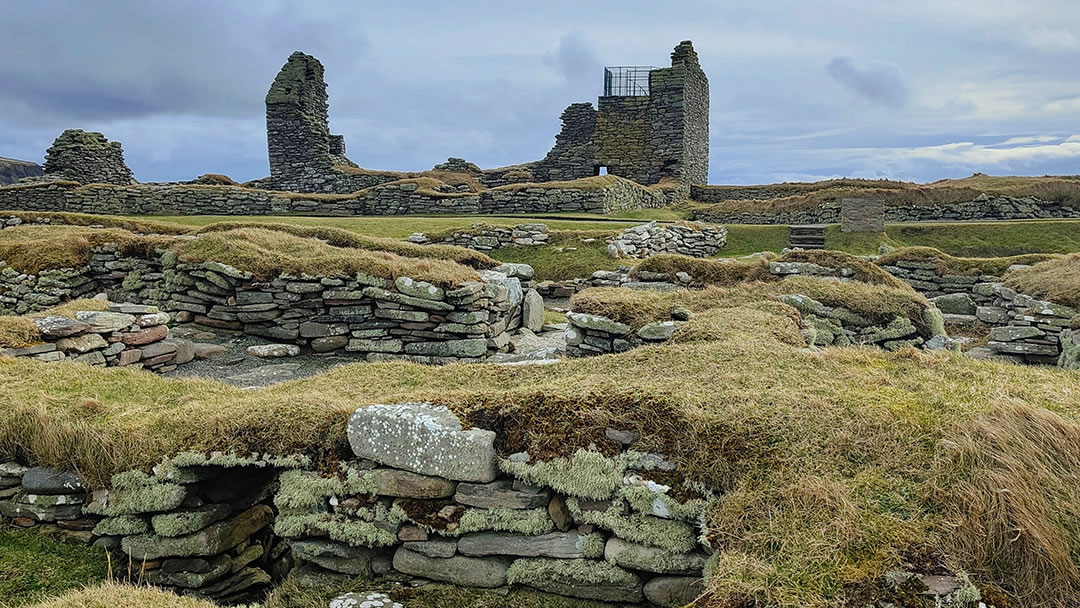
(698, 241)
(364, 316)
(483, 237)
(574, 154)
(88, 158)
(126, 335)
(862, 215)
(419, 499)
(983, 207)
(395, 198)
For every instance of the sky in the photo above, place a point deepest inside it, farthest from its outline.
(800, 89)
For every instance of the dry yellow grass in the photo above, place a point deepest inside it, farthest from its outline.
(835, 466)
(1055, 280)
(948, 264)
(113, 595)
(264, 249)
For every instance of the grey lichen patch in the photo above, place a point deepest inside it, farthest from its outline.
(587, 474)
(135, 492)
(652, 499)
(231, 459)
(592, 546)
(122, 525)
(382, 532)
(531, 522)
(674, 536)
(539, 570)
(306, 491)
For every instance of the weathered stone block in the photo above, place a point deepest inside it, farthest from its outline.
(457, 570)
(423, 438)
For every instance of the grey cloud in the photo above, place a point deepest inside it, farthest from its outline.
(575, 59)
(878, 84)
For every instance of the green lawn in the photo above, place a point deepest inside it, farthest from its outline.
(981, 239)
(34, 565)
(401, 226)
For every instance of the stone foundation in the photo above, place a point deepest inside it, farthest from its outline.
(420, 499)
(483, 237)
(364, 316)
(696, 241)
(127, 335)
(982, 208)
(402, 197)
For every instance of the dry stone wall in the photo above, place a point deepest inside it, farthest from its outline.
(1033, 330)
(360, 315)
(483, 237)
(87, 157)
(393, 198)
(420, 499)
(698, 240)
(127, 335)
(983, 207)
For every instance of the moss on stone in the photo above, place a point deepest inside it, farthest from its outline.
(592, 546)
(538, 570)
(150, 498)
(532, 522)
(671, 535)
(356, 532)
(121, 525)
(306, 491)
(643, 500)
(587, 474)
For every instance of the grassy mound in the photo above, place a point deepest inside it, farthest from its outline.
(835, 466)
(948, 264)
(1055, 280)
(266, 250)
(17, 332)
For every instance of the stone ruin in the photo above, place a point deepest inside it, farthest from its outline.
(298, 135)
(645, 134)
(87, 157)
(656, 131)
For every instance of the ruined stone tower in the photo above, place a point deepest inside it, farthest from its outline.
(87, 157)
(651, 124)
(297, 126)
(660, 130)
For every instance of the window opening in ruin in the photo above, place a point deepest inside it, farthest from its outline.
(627, 80)
(601, 170)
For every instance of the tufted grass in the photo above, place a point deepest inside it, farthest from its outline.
(835, 466)
(267, 250)
(1055, 280)
(948, 264)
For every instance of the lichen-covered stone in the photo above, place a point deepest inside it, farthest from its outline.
(562, 545)
(423, 438)
(652, 559)
(581, 578)
(336, 556)
(186, 521)
(212, 540)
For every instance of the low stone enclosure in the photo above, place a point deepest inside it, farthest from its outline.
(420, 499)
(123, 335)
(981, 207)
(1021, 328)
(363, 315)
(695, 240)
(605, 194)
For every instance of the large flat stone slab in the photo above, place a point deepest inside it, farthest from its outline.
(457, 570)
(562, 545)
(212, 540)
(423, 438)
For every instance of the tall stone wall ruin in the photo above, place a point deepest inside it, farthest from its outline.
(87, 157)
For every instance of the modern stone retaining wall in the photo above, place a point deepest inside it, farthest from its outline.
(982, 208)
(366, 316)
(483, 237)
(395, 198)
(421, 499)
(698, 241)
(127, 335)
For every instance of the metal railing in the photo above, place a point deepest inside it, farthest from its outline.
(627, 80)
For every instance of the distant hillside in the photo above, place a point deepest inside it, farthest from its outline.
(12, 170)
